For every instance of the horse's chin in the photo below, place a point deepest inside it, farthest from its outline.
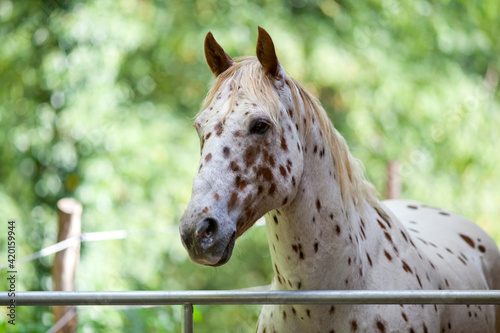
(227, 252)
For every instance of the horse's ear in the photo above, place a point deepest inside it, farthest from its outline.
(266, 54)
(217, 59)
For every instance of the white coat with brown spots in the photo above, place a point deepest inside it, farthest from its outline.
(269, 148)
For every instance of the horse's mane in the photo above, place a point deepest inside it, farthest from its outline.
(256, 85)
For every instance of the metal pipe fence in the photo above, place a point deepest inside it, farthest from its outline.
(239, 297)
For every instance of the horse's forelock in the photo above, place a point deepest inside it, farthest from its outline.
(255, 84)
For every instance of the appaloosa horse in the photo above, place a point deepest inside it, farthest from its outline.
(268, 147)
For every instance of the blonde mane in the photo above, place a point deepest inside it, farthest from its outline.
(247, 74)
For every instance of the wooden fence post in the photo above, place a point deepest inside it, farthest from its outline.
(65, 261)
(393, 184)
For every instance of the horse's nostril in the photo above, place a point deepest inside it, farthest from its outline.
(206, 229)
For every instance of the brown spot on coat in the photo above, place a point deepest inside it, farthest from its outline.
(381, 224)
(268, 157)
(233, 200)
(272, 189)
(248, 198)
(363, 233)
(271, 161)
(234, 166)
(318, 205)
(266, 173)
(380, 326)
(384, 216)
(406, 267)
(468, 240)
(226, 152)
(283, 143)
(369, 259)
(250, 155)
(208, 157)
(282, 171)
(354, 326)
(219, 129)
(388, 255)
(240, 183)
(418, 279)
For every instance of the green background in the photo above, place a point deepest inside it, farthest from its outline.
(97, 100)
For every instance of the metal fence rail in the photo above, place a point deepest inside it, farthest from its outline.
(226, 297)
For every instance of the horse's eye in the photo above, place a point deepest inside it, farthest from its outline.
(259, 126)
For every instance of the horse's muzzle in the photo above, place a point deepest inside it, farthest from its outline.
(206, 243)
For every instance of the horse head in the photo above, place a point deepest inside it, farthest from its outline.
(251, 155)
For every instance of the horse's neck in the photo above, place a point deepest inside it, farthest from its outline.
(314, 243)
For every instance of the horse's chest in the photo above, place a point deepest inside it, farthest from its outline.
(347, 318)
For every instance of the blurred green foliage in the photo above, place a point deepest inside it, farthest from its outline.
(97, 100)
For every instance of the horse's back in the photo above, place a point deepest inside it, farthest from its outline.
(463, 255)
